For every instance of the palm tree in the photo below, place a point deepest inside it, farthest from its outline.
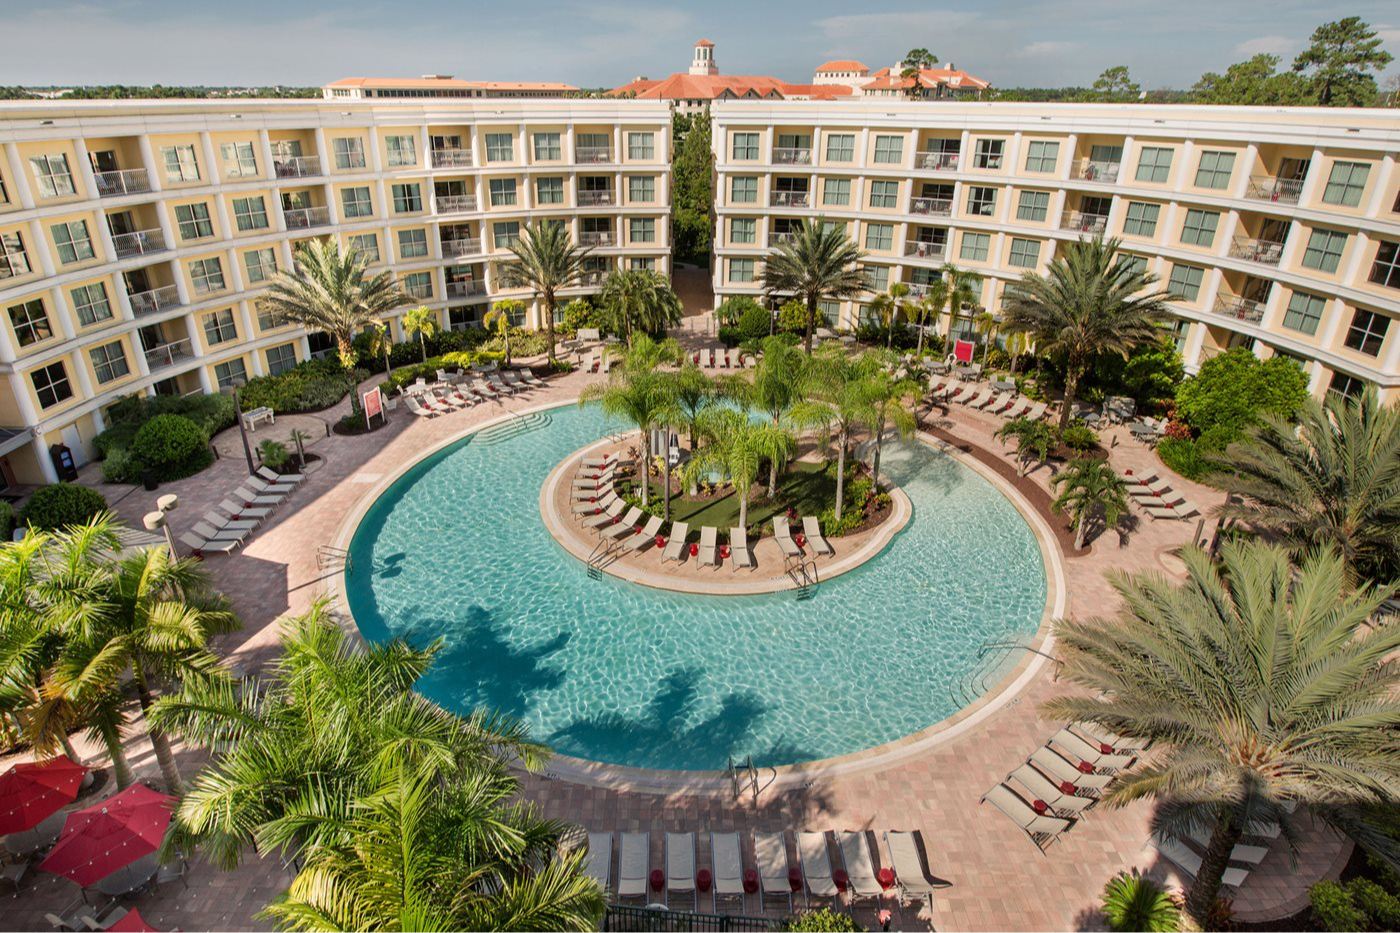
(960, 289)
(423, 322)
(736, 446)
(777, 384)
(640, 301)
(1087, 486)
(1332, 479)
(498, 320)
(837, 390)
(638, 394)
(986, 324)
(546, 261)
(885, 402)
(1090, 301)
(1034, 439)
(691, 393)
(889, 305)
(1261, 687)
(929, 306)
(819, 263)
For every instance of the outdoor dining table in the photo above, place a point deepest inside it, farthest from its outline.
(965, 371)
(1004, 385)
(1141, 430)
(128, 879)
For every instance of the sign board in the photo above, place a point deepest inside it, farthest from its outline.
(962, 350)
(374, 405)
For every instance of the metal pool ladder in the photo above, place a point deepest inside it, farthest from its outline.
(805, 577)
(743, 776)
(333, 558)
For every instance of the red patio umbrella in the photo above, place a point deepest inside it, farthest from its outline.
(110, 834)
(133, 922)
(33, 791)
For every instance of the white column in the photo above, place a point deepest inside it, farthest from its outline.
(423, 146)
(771, 136)
(332, 207)
(41, 454)
(235, 271)
(911, 158)
(1181, 171)
(205, 381)
(1013, 155)
(195, 334)
(21, 178)
(1072, 147)
(1126, 159)
(59, 302)
(265, 153)
(206, 144)
(323, 151)
(39, 246)
(182, 287)
(167, 228)
(372, 144)
(222, 212)
(116, 290)
(1195, 340)
(1333, 323)
(1213, 281)
(1381, 186)
(1225, 236)
(1240, 184)
(85, 168)
(1273, 309)
(1312, 179)
(104, 233)
(1351, 272)
(617, 143)
(526, 195)
(155, 171)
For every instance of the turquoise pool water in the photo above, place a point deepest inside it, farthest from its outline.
(615, 672)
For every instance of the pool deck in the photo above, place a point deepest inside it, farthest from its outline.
(998, 878)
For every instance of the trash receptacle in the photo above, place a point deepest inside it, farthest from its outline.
(148, 480)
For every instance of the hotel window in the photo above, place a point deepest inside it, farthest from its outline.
(829, 312)
(1137, 265)
(1345, 184)
(31, 322)
(53, 176)
(981, 202)
(261, 265)
(1042, 156)
(988, 153)
(73, 242)
(285, 149)
(1346, 386)
(743, 230)
(403, 150)
(51, 384)
(974, 246)
(889, 150)
(1214, 169)
(548, 148)
(500, 147)
(641, 189)
(836, 191)
(109, 361)
(1141, 219)
(413, 244)
(193, 221)
(1199, 228)
(505, 233)
(502, 192)
(744, 146)
(180, 163)
(741, 270)
(1324, 250)
(642, 264)
(418, 284)
(367, 244)
(877, 278)
(463, 318)
(641, 146)
(1185, 281)
(249, 213)
(207, 275)
(4, 192)
(268, 320)
(1386, 269)
(1304, 312)
(1024, 253)
(840, 147)
(90, 303)
(230, 374)
(349, 151)
(13, 260)
(1154, 164)
(592, 145)
(355, 202)
(408, 198)
(643, 230)
(549, 190)
(743, 189)
(239, 160)
(1034, 205)
(281, 358)
(1367, 332)
(879, 236)
(219, 327)
(884, 193)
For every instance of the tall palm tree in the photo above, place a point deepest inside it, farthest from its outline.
(819, 263)
(546, 261)
(960, 289)
(835, 403)
(885, 403)
(423, 322)
(1261, 686)
(498, 321)
(639, 301)
(1332, 479)
(1089, 302)
(1087, 486)
(1033, 438)
(691, 393)
(986, 324)
(736, 446)
(639, 394)
(889, 305)
(777, 383)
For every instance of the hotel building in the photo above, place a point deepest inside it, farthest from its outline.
(1275, 229)
(135, 235)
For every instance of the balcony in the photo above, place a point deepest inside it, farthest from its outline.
(595, 198)
(788, 199)
(462, 246)
(1269, 188)
(298, 167)
(921, 249)
(592, 155)
(1241, 309)
(299, 218)
(168, 354)
(1093, 170)
(139, 243)
(775, 238)
(128, 181)
(157, 299)
(792, 156)
(452, 158)
(918, 290)
(938, 161)
(455, 203)
(596, 238)
(592, 279)
(465, 289)
(1266, 252)
(1082, 222)
(938, 207)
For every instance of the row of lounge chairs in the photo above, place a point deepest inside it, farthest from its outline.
(220, 532)
(1006, 404)
(770, 877)
(1188, 860)
(721, 359)
(454, 392)
(599, 362)
(1157, 498)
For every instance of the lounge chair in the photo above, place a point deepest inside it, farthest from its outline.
(210, 533)
(265, 488)
(485, 390)
(598, 866)
(861, 882)
(910, 867)
(1094, 754)
(1252, 855)
(675, 548)
(274, 477)
(412, 404)
(993, 400)
(1017, 409)
(1188, 861)
(813, 530)
(727, 861)
(592, 504)
(1098, 733)
(1037, 411)
(251, 499)
(736, 358)
(709, 552)
(646, 536)
(708, 358)
(229, 524)
(515, 382)
(609, 361)
(593, 360)
(770, 854)
(608, 513)
(784, 537)
(589, 482)
(452, 400)
(1058, 767)
(1042, 830)
(739, 552)
(1043, 789)
(815, 859)
(633, 865)
(499, 385)
(529, 378)
(623, 526)
(591, 494)
(972, 399)
(201, 546)
(680, 868)
(596, 461)
(239, 512)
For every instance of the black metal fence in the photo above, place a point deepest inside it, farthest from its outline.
(652, 920)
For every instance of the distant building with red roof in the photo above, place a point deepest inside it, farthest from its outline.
(940, 83)
(438, 86)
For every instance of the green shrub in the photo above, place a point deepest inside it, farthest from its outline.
(734, 308)
(53, 507)
(1334, 907)
(7, 521)
(857, 491)
(310, 386)
(1378, 904)
(1183, 456)
(878, 335)
(172, 447)
(1234, 389)
(579, 313)
(754, 323)
(792, 317)
(729, 336)
(825, 920)
(1079, 437)
(561, 365)
(1134, 903)
(410, 351)
(451, 362)
(119, 466)
(1383, 872)
(850, 520)
(212, 413)
(273, 454)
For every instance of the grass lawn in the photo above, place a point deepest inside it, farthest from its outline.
(805, 486)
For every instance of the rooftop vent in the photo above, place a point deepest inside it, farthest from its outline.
(437, 77)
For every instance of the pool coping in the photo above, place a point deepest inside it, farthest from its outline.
(652, 780)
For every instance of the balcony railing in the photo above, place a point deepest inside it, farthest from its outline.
(1096, 170)
(297, 167)
(939, 207)
(595, 198)
(465, 289)
(127, 181)
(939, 161)
(775, 238)
(592, 155)
(590, 279)
(1269, 188)
(168, 354)
(918, 290)
(461, 246)
(788, 199)
(1267, 252)
(138, 243)
(421, 292)
(157, 299)
(455, 203)
(921, 249)
(1084, 223)
(792, 156)
(299, 218)
(596, 238)
(452, 158)
(1241, 309)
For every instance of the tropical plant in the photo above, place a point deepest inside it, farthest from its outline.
(824, 920)
(837, 389)
(1261, 685)
(422, 321)
(638, 394)
(1134, 904)
(1033, 438)
(59, 505)
(888, 306)
(546, 261)
(639, 301)
(986, 324)
(1016, 345)
(1234, 389)
(273, 453)
(1088, 302)
(1085, 487)
(886, 402)
(955, 290)
(776, 385)
(498, 321)
(735, 447)
(819, 263)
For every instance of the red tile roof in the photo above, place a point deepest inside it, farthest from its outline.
(706, 42)
(929, 77)
(710, 87)
(842, 64)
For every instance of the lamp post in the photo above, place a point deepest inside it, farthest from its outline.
(159, 519)
(242, 428)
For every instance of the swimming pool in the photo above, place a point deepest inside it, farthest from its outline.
(615, 672)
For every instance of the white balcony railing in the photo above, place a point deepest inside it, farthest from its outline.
(592, 155)
(452, 158)
(297, 167)
(465, 289)
(127, 181)
(775, 238)
(939, 207)
(1267, 252)
(1269, 188)
(138, 243)
(792, 156)
(596, 238)
(455, 203)
(1241, 309)
(157, 299)
(921, 249)
(299, 218)
(592, 279)
(788, 199)
(939, 161)
(168, 354)
(1084, 223)
(1096, 170)
(595, 198)
(461, 246)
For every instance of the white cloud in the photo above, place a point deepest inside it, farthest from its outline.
(1266, 45)
(1043, 49)
(894, 28)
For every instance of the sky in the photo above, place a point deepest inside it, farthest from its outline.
(607, 43)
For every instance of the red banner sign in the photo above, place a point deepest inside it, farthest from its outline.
(374, 405)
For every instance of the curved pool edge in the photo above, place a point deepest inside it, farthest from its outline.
(654, 780)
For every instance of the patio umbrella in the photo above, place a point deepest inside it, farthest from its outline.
(111, 834)
(133, 922)
(33, 791)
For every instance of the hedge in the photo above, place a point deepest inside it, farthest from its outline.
(171, 447)
(212, 413)
(310, 386)
(407, 375)
(61, 504)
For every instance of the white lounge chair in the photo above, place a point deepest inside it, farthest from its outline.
(599, 863)
(1041, 830)
(251, 499)
(240, 512)
(680, 868)
(1094, 754)
(813, 530)
(727, 859)
(675, 548)
(1058, 767)
(646, 536)
(595, 505)
(623, 526)
(739, 552)
(1120, 743)
(815, 859)
(862, 883)
(770, 854)
(529, 378)
(911, 873)
(1016, 410)
(229, 524)
(709, 552)
(1037, 411)
(274, 477)
(784, 537)
(1188, 861)
(264, 488)
(633, 865)
(971, 398)
(200, 546)
(210, 533)
(1252, 855)
(606, 515)
(1065, 805)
